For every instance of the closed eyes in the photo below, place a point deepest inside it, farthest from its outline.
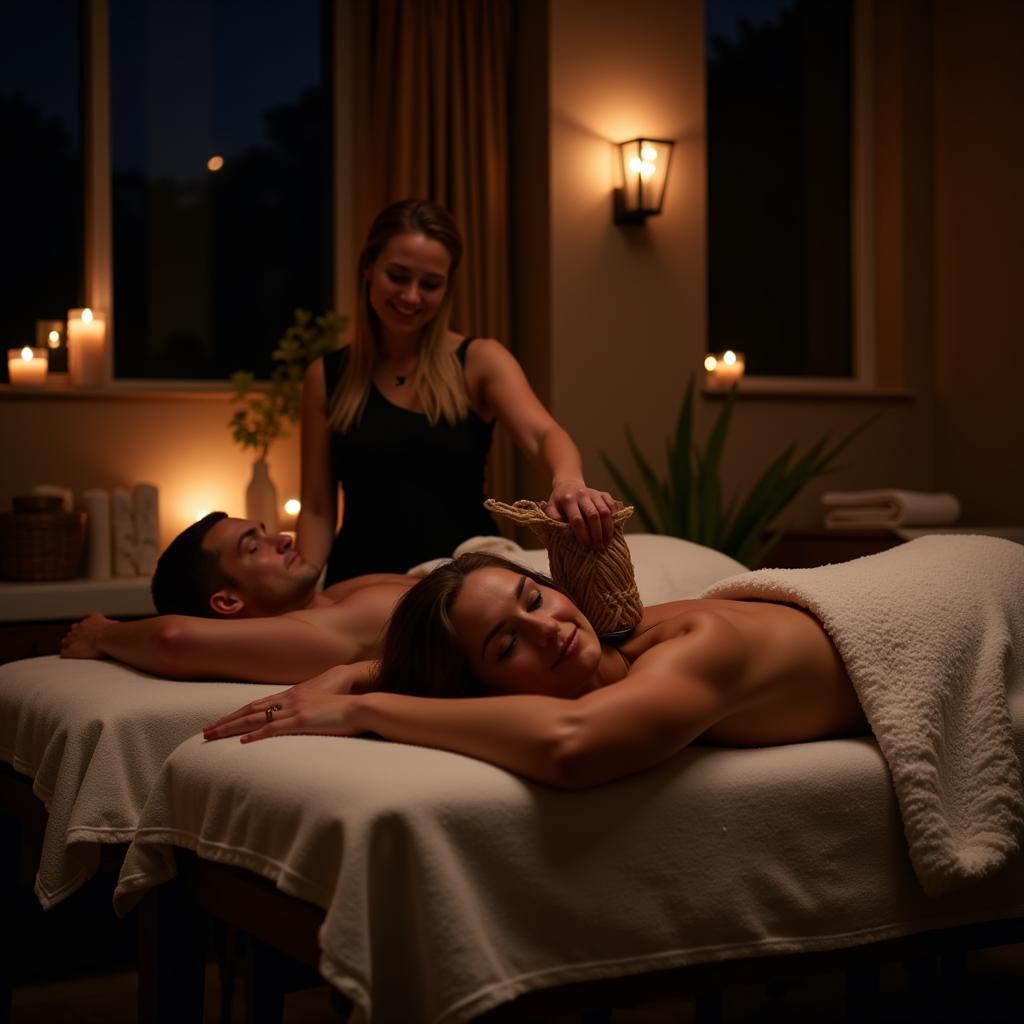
(512, 640)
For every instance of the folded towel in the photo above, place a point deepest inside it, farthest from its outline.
(932, 634)
(887, 508)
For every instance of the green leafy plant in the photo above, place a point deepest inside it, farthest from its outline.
(688, 502)
(268, 411)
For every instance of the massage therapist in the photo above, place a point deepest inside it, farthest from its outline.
(402, 417)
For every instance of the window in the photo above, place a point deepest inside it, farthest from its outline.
(41, 171)
(221, 195)
(780, 116)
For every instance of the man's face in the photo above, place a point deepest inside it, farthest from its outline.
(270, 576)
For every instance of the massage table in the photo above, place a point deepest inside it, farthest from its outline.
(431, 887)
(82, 742)
(447, 887)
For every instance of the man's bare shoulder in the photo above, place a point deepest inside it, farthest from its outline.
(347, 606)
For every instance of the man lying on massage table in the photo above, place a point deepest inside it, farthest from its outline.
(236, 603)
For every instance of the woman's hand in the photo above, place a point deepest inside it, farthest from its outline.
(301, 709)
(587, 511)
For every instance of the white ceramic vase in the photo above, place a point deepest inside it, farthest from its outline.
(261, 497)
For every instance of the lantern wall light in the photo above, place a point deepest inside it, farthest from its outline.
(644, 165)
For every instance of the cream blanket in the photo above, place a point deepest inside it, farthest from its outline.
(932, 635)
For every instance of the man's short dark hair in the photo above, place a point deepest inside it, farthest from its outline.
(187, 575)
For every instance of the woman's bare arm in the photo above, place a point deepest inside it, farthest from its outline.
(501, 388)
(610, 733)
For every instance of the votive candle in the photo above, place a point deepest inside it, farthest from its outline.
(27, 366)
(723, 369)
(87, 341)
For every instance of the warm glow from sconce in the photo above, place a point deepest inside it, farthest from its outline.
(87, 315)
(215, 163)
(644, 164)
(53, 339)
(710, 364)
(729, 357)
(292, 507)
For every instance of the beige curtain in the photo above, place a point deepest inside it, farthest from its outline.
(438, 129)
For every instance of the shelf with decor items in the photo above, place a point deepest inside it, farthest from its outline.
(34, 616)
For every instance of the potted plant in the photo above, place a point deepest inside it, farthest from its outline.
(687, 501)
(268, 411)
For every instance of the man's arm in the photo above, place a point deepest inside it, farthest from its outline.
(278, 649)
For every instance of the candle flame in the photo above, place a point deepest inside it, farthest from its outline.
(27, 354)
(710, 364)
(292, 506)
(53, 339)
(729, 357)
(86, 315)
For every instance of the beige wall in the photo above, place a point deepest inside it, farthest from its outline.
(181, 444)
(623, 322)
(979, 231)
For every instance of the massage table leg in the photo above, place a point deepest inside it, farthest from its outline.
(172, 956)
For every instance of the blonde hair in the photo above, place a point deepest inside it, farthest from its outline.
(438, 383)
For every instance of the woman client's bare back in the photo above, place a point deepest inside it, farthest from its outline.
(785, 680)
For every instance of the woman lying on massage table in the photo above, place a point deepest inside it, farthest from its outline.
(555, 704)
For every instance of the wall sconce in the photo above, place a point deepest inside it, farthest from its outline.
(644, 174)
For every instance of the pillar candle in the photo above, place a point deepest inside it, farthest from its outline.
(97, 526)
(87, 347)
(27, 366)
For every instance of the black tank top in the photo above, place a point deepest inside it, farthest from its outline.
(412, 491)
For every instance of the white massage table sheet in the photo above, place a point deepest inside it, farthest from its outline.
(93, 736)
(451, 886)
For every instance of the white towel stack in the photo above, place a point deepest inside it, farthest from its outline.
(888, 508)
(122, 530)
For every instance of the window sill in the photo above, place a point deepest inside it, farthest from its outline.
(58, 387)
(810, 388)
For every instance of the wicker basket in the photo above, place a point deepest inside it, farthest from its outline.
(39, 541)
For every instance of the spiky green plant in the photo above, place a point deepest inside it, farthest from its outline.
(267, 412)
(687, 502)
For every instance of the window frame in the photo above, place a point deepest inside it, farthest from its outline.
(99, 281)
(863, 300)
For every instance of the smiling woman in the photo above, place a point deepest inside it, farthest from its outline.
(558, 706)
(403, 417)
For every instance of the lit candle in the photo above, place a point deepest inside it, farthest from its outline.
(723, 369)
(87, 338)
(27, 366)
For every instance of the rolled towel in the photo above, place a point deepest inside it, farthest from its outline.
(889, 508)
(67, 498)
(147, 528)
(122, 532)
